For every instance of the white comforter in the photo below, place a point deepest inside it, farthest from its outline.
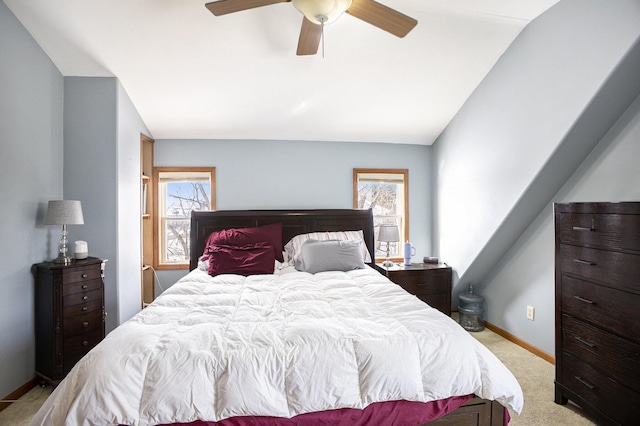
(275, 345)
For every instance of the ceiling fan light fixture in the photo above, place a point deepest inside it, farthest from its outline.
(322, 11)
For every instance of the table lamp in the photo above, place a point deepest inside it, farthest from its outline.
(64, 212)
(389, 234)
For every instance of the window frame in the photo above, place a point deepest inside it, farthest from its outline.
(157, 220)
(404, 231)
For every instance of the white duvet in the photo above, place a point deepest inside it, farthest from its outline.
(275, 345)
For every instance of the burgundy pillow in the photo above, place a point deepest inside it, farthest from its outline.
(271, 234)
(242, 260)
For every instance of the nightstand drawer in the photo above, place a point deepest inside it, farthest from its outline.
(79, 274)
(423, 286)
(82, 323)
(89, 306)
(612, 309)
(82, 343)
(79, 298)
(430, 283)
(81, 287)
(439, 301)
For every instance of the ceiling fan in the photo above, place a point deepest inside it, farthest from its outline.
(318, 13)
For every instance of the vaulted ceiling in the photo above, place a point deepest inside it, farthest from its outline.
(191, 74)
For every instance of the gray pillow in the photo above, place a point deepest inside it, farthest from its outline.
(329, 255)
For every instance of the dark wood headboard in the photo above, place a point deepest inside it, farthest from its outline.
(294, 222)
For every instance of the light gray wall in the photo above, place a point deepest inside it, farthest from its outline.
(129, 253)
(102, 169)
(31, 152)
(525, 276)
(90, 171)
(306, 175)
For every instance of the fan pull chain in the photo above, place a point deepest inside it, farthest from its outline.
(322, 37)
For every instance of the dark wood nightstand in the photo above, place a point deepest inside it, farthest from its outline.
(431, 283)
(69, 314)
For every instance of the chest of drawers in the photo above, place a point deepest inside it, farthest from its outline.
(597, 292)
(69, 314)
(431, 283)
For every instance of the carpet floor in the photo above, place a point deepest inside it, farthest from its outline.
(534, 374)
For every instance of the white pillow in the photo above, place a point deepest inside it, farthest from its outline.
(329, 255)
(292, 248)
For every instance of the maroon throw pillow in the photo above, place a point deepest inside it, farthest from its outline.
(246, 260)
(271, 234)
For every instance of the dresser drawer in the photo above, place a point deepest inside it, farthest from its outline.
(82, 323)
(81, 287)
(616, 269)
(619, 402)
(79, 298)
(80, 274)
(605, 230)
(87, 306)
(82, 343)
(613, 356)
(611, 309)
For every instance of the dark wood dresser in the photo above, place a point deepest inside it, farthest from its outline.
(431, 283)
(69, 311)
(597, 295)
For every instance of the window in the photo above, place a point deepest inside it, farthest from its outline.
(179, 191)
(386, 192)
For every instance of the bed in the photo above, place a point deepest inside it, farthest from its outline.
(332, 346)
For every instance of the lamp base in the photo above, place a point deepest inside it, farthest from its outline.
(388, 263)
(63, 260)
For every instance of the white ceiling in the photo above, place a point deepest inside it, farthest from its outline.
(191, 74)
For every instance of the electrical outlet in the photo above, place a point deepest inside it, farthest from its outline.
(531, 311)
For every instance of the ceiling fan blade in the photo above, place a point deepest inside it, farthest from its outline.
(309, 38)
(223, 7)
(382, 17)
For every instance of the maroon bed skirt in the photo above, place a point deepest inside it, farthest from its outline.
(391, 413)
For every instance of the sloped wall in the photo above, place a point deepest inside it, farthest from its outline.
(525, 274)
(554, 94)
(539, 112)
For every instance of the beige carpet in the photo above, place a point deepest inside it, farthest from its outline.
(534, 374)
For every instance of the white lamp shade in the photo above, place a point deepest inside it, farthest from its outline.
(64, 212)
(388, 233)
(331, 9)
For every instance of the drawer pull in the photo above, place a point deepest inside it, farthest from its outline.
(86, 343)
(85, 297)
(582, 228)
(585, 342)
(582, 299)
(84, 275)
(86, 324)
(84, 287)
(584, 382)
(584, 262)
(84, 308)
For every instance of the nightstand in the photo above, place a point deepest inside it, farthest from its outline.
(69, 311)
(431, 283)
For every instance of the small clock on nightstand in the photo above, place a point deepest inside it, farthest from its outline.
(431, 283)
